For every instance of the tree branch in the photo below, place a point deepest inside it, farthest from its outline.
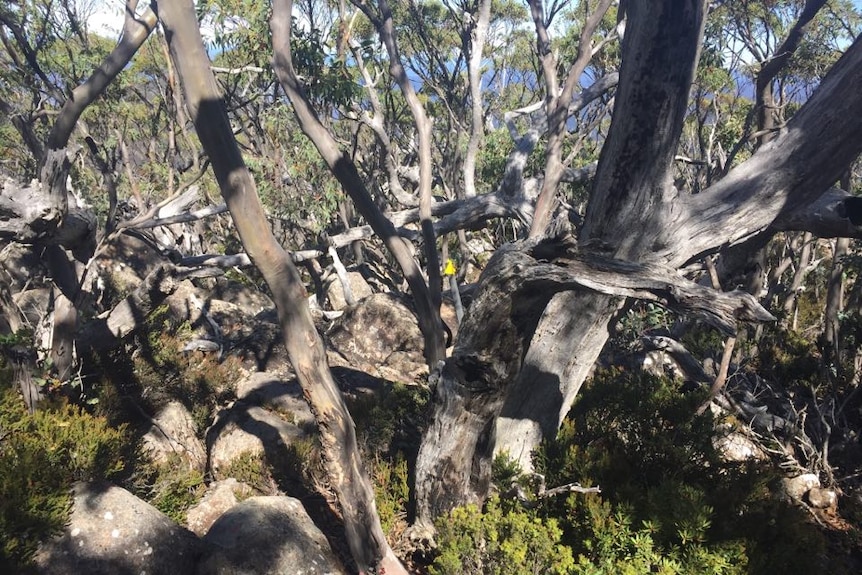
(136, 29)
(345, 171)
(784, 176)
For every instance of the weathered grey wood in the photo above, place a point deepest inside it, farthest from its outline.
(572, 331)
(453, 466)
(832, 215)
(339, 448)
(690, 366)
(23, 362)
(632, 211)
(632, 197)
(28, 213)
(109, 328)
(477, 27)
(782, 177)
(635, 210)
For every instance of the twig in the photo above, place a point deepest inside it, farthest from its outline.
(517, 490)
(569, 488)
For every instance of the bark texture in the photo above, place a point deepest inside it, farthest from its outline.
(635, 214)
(427, 302)
(304, 346)
(453, 466)
(631, 198)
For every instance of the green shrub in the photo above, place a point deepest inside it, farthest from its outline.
(177, 492)
(390, 420)
(41, 455)
(151, 372)
(669, 504)
(391, 492)
(172, 486)
(500, 541)
(389, 427)
(252, 469)
(613, 544)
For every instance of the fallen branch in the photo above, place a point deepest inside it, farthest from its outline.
(540, 492)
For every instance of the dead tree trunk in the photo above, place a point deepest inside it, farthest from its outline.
(637, 215)
(453, 466)
(338, 438)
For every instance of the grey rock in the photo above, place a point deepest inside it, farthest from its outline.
(173, 433)
(219, 497)
(33, 303)
(821, 498)
(736, 446)
(268, 535)
(358, 286)
(796, 487)
(380, 336)
(245, 428)
(112, 532)
(275, 391)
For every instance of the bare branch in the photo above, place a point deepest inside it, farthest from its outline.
(784, 176)
(348, 176)
(557, 105)
(136, 30)
(474, 73)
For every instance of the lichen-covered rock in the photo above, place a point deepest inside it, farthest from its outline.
(821, 498)
(358, 286)
(796, 487)
(173, 433)
(113, 532)
(243, 429)
(275, 391)
(735, 446)
(220, 496)
(380, 336)
(268, 535)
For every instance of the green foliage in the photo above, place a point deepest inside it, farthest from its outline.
(500, 541)
(669, 504)
(172, 487)
(505, 471)
(250, 468)
(615, 545)
(702, 340)
(641, 318)
(178, 494)
(492, 157)
(310, 204)
(787, 357)
(41, 455)
(391, 492)
(390, 420)
(160, 372)
(21, 337)
(388, 428)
